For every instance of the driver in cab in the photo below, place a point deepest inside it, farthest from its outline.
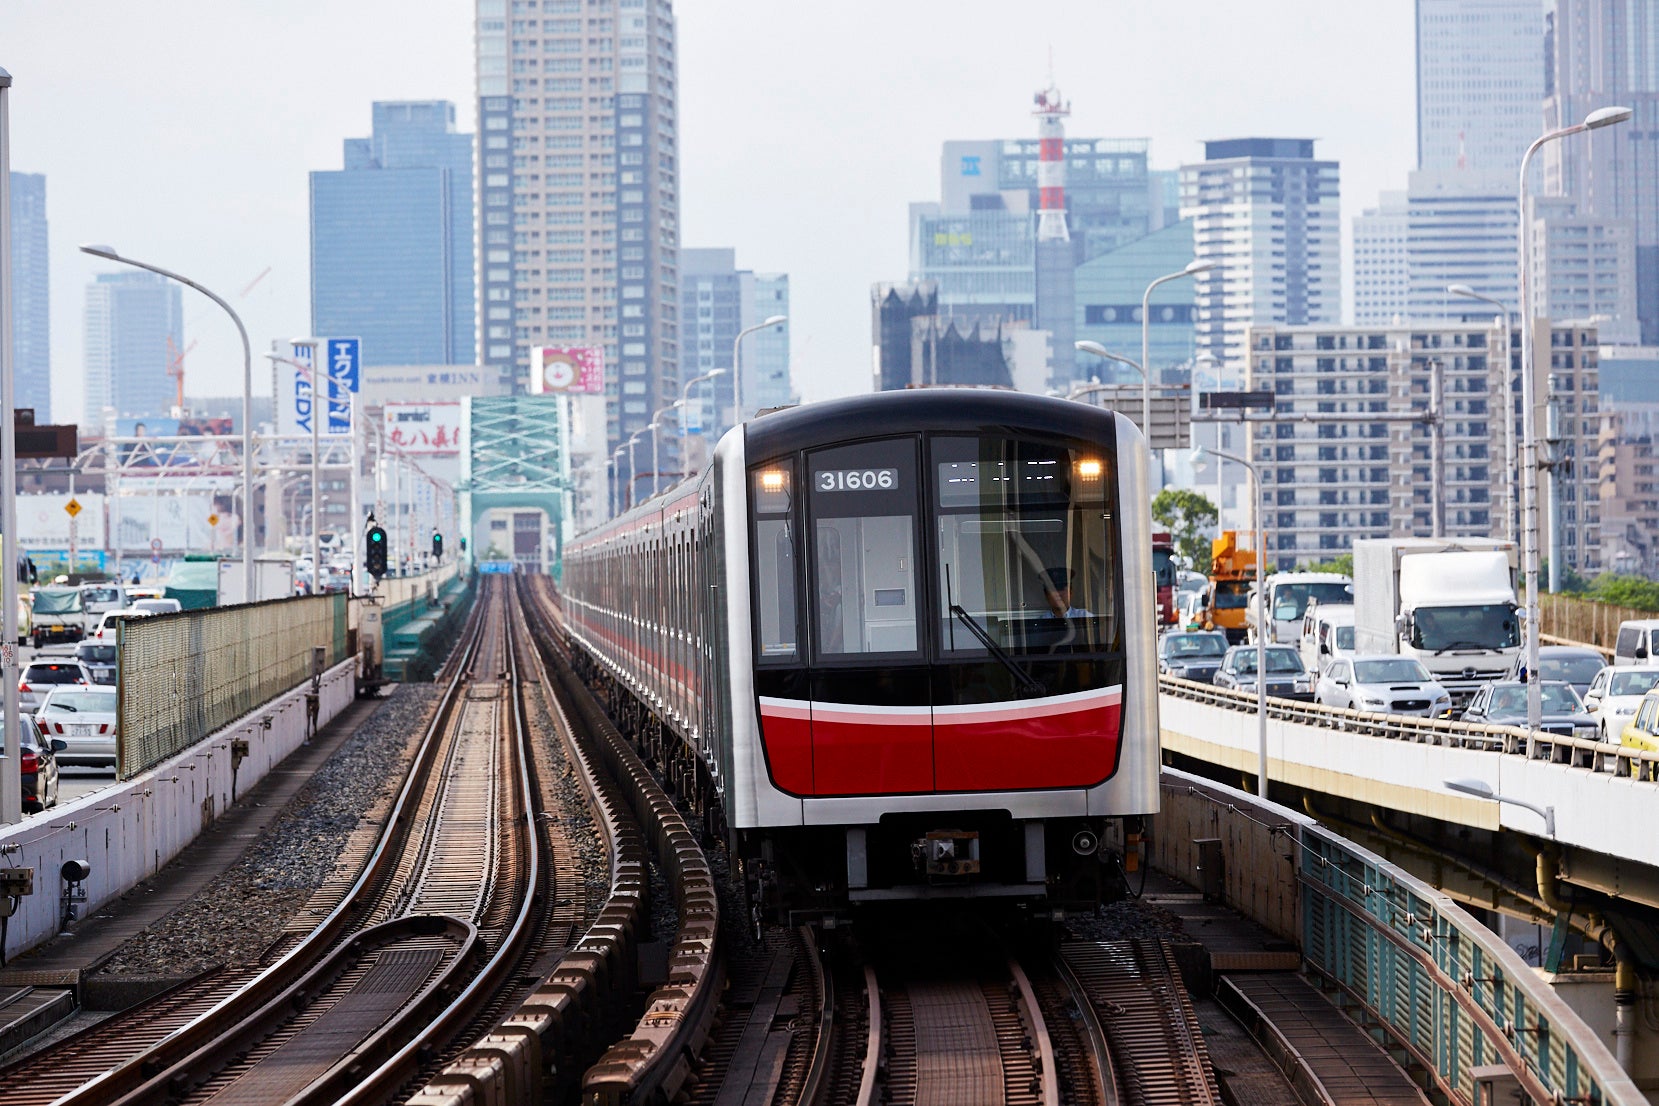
(1057, 591)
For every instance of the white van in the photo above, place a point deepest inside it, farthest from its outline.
(1638, 642)
(1327, 633)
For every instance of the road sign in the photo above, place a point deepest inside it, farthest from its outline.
(73, 507)
(213, 520)
(1234, 401)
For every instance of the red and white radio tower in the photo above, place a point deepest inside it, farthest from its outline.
(1051, 166)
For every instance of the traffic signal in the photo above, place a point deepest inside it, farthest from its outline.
(375, 559)
(463, 545)
(437, 546)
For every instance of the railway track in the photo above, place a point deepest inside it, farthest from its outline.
(416, 947)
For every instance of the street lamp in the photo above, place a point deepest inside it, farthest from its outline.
(316, 542)
(108, 254)
(1480, 789)
(737, 375)
(632, 478)
(1193, 268)
(1601, 117)
(656, 439)
(1508, 409)
(616, 477)
(1098, 350)
(11, 781)
(1198, 455)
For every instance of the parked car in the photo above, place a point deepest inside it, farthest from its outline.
(1191, 656)
(1573, 664)
(1614, 695)
(98, 657)
(1504, 703)
(84, 717)
(38, 767)
(1287, 678)
(1382, 683)
(158, 606)
(106, 623)
(41, 676)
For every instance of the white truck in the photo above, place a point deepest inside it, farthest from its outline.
(1449, 602)
(1287, 601)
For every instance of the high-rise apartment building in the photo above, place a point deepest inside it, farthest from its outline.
(1480, 80)
(1325, 483)
(718, 301)
(1380, 270)
(31, 318)
(1604, 53)
(1264, 213)
(134, 326)
(391, 240)
(578, 214)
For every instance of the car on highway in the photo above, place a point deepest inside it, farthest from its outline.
(1383, 684)
(158, 606)
(1287, 677)
(1615, 693)
(1504, 703)
(84, 717)
(43, 674)
(1191, 655)
(134, 594)
(107, 621)
(1573, 664)
(99, 658)
(38, 767)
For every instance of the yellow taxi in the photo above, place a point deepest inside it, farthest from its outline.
(1642, 731)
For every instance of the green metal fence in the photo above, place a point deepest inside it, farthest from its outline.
(183, 676)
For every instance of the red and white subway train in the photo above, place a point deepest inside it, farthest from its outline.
(900, 646)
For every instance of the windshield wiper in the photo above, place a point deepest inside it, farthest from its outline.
(1031, 686)
(1461, 645)
(65, 706)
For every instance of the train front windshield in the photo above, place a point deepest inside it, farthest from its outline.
(1024, 560)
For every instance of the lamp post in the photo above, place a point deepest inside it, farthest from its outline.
(616, 478)
(310, 374)
(11, 780)
(1480, 789)
(737, 375)
(632, 477)
(1508, 409)
(656, 439)
(1077, 391)
(108, 254)
(1198, 455)
(1601, 117)
(1193, 268)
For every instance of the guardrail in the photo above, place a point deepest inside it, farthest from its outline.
(185, 675)
(1446, 989)
(1595, 756)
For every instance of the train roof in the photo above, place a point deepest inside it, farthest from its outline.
(879, 414)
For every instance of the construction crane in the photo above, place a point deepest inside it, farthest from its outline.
(175, 356)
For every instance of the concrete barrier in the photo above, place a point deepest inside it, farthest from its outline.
(129, 831)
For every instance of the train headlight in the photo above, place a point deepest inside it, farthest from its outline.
(1089, 469)
(771, 488)
(773, 480)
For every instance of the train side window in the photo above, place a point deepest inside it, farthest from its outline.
(863, 511)
(774, 559)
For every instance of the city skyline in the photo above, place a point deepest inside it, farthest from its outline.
(827, 166)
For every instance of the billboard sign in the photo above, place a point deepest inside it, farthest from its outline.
(344, 358)
(144, 444)
(341, 360)
(432, 429)
(573, 370)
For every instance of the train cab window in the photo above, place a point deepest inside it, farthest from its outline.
(863, 503)
(1025, 536)
(772, 492)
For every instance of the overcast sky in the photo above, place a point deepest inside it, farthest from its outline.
(182, 131)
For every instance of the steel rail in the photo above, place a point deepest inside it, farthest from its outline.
(347, 1084)
(271, 981)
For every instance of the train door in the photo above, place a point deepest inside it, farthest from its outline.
(871, 715)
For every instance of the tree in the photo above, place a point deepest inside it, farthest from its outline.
(1618, 590)
(1186, 515)
(1342, 564)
